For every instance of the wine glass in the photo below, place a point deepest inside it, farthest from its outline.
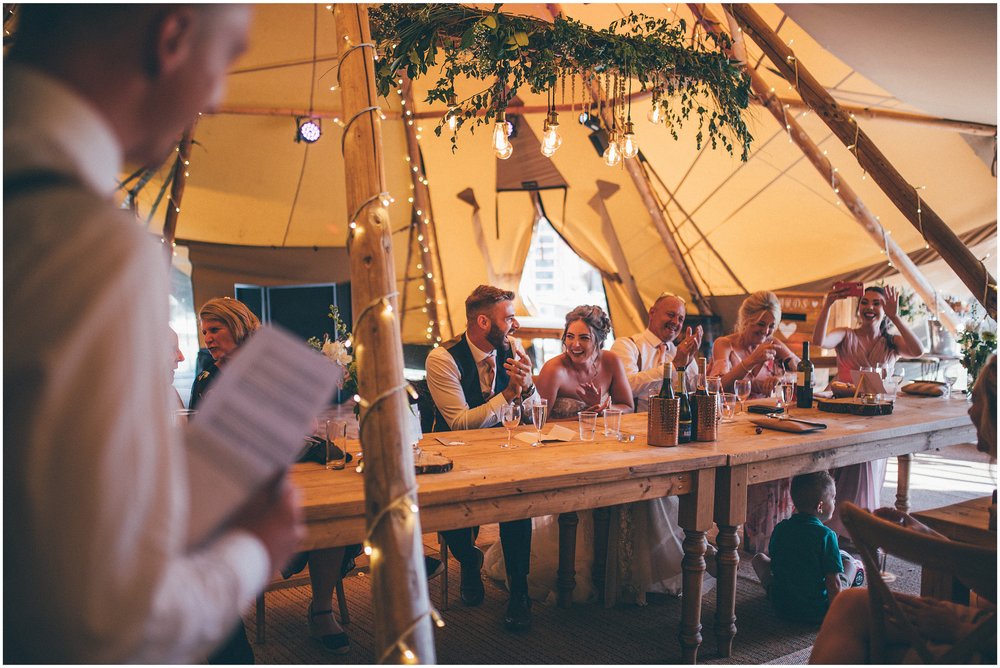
(951, 377)
(539, 412)
(510, 415)
(742, 387)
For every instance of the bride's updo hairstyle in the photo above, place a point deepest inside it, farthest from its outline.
(595, 318)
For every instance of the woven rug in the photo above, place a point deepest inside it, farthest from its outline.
(590, 634)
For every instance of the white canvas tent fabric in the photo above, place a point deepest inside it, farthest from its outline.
(772, 219)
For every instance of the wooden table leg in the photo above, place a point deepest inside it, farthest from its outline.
(903, 483)
(730, 513)
(695, 516)
(598, 575)
(566, 575)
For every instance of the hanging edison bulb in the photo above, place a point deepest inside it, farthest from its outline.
(655, 114)
(630, 146)
(612, 154)
(452, 112)
(551, 139)
(501, 145)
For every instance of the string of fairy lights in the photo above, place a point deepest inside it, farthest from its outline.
(403, 505)
(835, 182)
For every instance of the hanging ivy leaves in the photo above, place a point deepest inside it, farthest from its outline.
(507, 52)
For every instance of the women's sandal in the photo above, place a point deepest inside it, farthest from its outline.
(338, 643)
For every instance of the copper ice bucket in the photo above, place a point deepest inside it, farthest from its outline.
(662, 424)
(708, 416)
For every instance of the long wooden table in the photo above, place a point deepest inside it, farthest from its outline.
(492, 484)
(917, 424)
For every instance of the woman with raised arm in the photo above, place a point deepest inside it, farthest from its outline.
(868, 345)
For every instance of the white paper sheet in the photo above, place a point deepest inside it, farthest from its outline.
(556, 433)
(252, 423)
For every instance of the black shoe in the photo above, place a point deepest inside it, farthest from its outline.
(471, 590)
(518, 617)
(434, 567)
(338, 643)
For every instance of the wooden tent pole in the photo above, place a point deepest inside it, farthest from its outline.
(177, 188)
(851, 200)
(638, 178)
(403, 624)
(971, 271)
(424, 222)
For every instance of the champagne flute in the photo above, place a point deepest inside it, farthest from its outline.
(510, 415)
(539, 412)
(742, 387)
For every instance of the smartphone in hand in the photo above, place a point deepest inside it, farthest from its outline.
(854, 288)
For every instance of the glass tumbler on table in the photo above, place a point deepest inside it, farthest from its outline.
(728, 407)
(539, 413)
(612, 421)
(510, 415)
(336, 445)
(588, 425)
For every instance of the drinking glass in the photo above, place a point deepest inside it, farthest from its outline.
(510, 415)
(588, 425)
(728, 407)
(336, 445)
(539, 412)
(742, 387)
(951, 377)
(612, 421)
(787, 394)
(714, 384)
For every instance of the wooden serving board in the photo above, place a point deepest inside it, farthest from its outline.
(854, 406)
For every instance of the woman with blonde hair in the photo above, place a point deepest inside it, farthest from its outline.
(752, 352)
(226, 324)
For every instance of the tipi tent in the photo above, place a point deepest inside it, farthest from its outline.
(259, 207)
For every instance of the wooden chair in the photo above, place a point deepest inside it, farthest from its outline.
(297, 580)
(974, 565)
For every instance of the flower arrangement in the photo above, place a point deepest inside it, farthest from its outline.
(337, 349)
(977, 343)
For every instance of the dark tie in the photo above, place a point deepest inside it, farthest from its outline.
(490, 364)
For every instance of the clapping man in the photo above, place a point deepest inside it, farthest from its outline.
(470, 378)
(644, 354)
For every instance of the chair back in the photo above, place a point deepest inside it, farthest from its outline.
(974, 565)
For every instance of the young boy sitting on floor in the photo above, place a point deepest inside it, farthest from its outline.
(806, 568)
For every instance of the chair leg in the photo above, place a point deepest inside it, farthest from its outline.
(444, 576)
(345, 617)
(261, 630)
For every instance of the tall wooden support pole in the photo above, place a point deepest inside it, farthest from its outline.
(432, 272)
(177, 188)
(851, 200)
(655, 213)
(403, 626)
(970, 270)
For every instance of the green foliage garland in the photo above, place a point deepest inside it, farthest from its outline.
(511, 51)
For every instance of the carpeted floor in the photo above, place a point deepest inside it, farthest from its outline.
(588, 634)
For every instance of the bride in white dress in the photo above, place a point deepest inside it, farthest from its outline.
(644, 548)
